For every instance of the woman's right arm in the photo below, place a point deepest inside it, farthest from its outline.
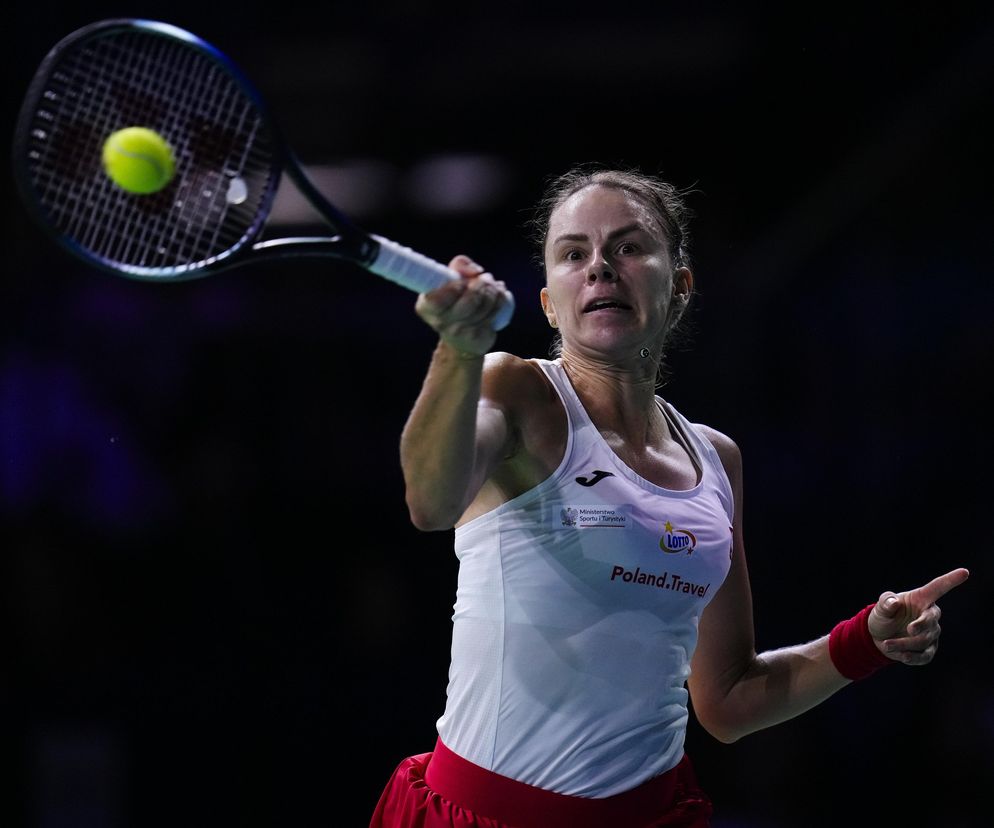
(456, 434)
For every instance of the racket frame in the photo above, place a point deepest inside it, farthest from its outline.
(348, 241)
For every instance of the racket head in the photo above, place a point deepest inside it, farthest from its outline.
(133, 72)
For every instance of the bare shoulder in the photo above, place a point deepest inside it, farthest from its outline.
(512, 380)
(533, 414)
(727, 449)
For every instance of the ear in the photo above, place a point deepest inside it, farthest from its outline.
(547, 309)
(683, 283)
(683, 286)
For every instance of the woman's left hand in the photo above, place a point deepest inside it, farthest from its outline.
(905, 625)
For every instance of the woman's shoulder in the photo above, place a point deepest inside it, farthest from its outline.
(721, 441)
(533, 411)
(514, 377)
(725, 447)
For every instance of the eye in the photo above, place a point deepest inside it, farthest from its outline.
(628, 248)
(572, 254)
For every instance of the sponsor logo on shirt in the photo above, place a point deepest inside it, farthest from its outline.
(594, 517)
(596, 477)
(677, 541)
(659, 580)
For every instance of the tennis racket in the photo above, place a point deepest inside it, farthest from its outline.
(230, 160)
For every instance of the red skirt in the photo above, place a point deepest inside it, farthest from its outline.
(442, 790)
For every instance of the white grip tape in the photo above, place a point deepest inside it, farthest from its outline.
(419, 273)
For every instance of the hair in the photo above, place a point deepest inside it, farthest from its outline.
(664, 201)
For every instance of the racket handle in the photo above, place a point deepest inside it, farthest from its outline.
(419, 273)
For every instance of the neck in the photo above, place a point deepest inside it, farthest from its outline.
(636, 374)
(620, 399)
(628, 386)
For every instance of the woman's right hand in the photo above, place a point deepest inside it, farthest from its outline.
(462, 311)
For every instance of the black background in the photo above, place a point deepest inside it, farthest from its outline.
(217, 611)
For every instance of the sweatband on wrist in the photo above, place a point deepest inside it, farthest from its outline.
(851, 647)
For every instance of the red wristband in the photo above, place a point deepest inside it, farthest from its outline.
(851, 647)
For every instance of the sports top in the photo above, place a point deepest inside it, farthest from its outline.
(576, 615)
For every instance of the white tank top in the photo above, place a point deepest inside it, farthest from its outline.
(576, 615)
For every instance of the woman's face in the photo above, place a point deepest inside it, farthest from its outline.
(609, 279)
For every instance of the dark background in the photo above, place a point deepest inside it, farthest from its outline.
(216, 611)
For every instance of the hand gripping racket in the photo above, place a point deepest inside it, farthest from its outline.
(229, 159)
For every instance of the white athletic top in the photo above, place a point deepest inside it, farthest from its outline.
(576, 615)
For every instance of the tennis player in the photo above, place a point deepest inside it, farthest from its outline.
(602, 569)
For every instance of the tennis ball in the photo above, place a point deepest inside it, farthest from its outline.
(138, 160)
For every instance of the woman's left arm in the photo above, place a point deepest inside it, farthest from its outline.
(736, 691)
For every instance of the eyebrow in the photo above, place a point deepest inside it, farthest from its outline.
(582, 237)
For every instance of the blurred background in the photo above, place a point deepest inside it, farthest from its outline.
(216, 611)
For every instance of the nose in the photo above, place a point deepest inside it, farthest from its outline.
(601, 270)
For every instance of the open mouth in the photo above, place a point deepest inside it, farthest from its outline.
(605, 304)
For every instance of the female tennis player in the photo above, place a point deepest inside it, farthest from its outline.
(602, 569)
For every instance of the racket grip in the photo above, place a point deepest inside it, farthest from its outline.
(419, 273)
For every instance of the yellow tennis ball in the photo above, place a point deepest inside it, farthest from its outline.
(138, 160)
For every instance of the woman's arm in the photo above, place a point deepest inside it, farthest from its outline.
(455, 434)
(452, 441)
(736, 691)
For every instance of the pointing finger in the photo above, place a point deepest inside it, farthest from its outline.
(936, 588)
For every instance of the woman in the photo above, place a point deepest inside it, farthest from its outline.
(602, 569)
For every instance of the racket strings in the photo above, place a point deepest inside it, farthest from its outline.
(230, 148)
(143, 246)
(85, 204)
(106, 236)
(225, 171)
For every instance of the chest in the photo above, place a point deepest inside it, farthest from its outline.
(601, 537)
(668, 464)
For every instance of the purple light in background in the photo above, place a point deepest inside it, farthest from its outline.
(360, 188)
(459, 184)
(63, 447)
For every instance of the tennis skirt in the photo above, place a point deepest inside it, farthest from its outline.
(442, 790)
